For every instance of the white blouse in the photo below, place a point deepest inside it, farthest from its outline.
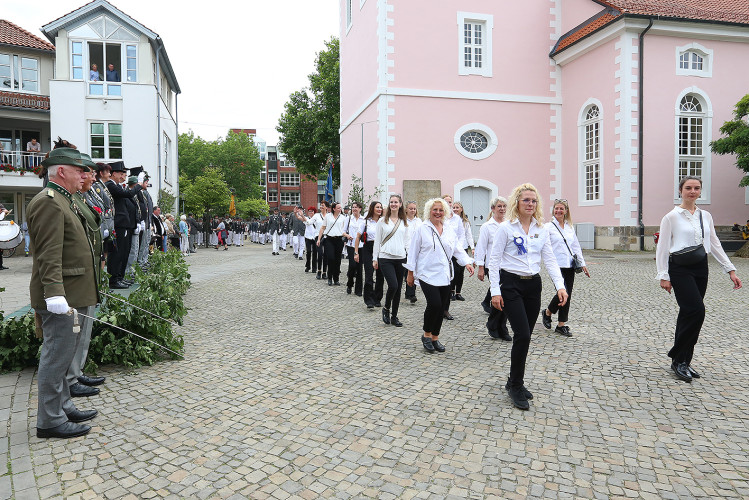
(352, 227)
(486, 240)
(333, 226)
(505, 253)
(564, 259)
(455, 224)
(397, 246)
(430, 255)
(681, 229)
(370, 227)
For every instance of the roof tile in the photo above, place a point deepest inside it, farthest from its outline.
(10, 34)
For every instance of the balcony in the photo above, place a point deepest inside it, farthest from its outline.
(26, 101)
(20, 169)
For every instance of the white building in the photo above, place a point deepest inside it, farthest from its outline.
(114, 93)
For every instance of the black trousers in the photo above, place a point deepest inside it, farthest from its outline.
(410, 291)
(333, 252)
(689, 284)
(497, 319)
(522, 303)
(322, 262)
(117, 259)
(373, 281)
(568, 273)
(393, 272)
(311, 254)
(437, 298)
(456, 285)
(354, 273)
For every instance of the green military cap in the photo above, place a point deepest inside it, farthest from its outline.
(133, 179)
(65, 156)
(86, 159)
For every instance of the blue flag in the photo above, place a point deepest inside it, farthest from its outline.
(329, 184)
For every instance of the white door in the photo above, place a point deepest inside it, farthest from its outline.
(476, 203)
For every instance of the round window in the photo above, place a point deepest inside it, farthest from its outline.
(474, 141)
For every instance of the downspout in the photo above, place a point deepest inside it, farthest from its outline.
(176, 132)
(158, 109)
(640, 134)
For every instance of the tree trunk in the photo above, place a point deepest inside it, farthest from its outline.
(743, 251)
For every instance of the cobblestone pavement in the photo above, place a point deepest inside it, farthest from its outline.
(292, 389)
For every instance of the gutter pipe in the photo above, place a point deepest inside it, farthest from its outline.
(640, 134)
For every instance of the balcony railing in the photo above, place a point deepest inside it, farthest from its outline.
(19, 161)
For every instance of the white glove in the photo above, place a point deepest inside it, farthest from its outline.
(57, 305)
(106, 233)
(137, 229)
(143, 224)
(141, 177)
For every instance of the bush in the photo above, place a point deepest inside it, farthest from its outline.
(19, 346)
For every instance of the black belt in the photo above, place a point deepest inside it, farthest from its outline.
(521, 277)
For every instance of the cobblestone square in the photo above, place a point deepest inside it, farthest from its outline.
(293, 389)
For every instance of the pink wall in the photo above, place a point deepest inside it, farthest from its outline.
(663, 87)
(578, 87)
(575, 12)
(358, 56)
(351, 151)
(426, 47)
(424, 148)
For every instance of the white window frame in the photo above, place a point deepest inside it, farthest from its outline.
(483, 129)
(167, 152)
(487, 20)
(349, 15)
(707, 133)
(272, 196)
(83, 61)
(272, 177)
(702, 51)
(289, 179)
(583, 163)
(107, 135)
(15, 66)
(291, 198)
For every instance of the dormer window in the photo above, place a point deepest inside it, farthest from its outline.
(694, 60)
(19, 73)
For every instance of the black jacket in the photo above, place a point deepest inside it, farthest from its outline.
(121, 201)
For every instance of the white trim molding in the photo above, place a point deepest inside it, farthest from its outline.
(485, 131)
(707, 133)
(475, 183)
(702, 51)
(487, 20)
(626, 144)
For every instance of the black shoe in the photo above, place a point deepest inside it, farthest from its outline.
(682, 371)
(118, 285)
(386, 315)
(2, 268)
(694, 372)
(438, 345)
(459, 297)
(82, 391)
(78, 416)
(370, 306)
(324, 275)
(563, 330)
(378, 304)
(301, 258)
(448, 316)
(348, 290)
(546, 320)
(66, 430)
(526, 392)
(92, 381)
(518, 397)
(319, 276)
(412, 299)
(428, 345)
(487, 307)
(306, 270)
(358, 294)
(395, 321)
(337, 283)
(493, 334)
(330, 282)
(452, 295)
(504, 334)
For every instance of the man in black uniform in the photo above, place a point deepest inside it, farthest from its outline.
(275, 223)
(118, 258)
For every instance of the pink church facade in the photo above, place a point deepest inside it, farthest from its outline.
(472, 103)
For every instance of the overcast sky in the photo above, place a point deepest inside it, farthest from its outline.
(236, 61)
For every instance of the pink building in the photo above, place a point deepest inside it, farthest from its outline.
(604, 103)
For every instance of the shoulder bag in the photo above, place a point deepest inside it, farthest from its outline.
(577, 262)
(449, 260)
(690, 256)
(331, 227)
(387, 238)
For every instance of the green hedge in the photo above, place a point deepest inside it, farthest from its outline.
(160, 291)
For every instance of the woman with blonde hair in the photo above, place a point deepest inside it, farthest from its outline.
(457, 283)
(566, 247)
(429, 262)
(412, 217)
(519, 245)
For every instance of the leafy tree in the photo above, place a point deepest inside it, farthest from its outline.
(311, 117)
(252, 208)
(357, 193)
(208, 193)
(167, 199)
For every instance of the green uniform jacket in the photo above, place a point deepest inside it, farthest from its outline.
(64, 262)
(93, 230)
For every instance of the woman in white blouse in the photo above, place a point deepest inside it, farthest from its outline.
(390, 249)
(514, 265)
(687, 235)
(457, 283)
(565, 244)
(497, 322)
(373, 280)
(429, 262)
(455, 224)
(330, 236)
(412, 217)
(354, 274)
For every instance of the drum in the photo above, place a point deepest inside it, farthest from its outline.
(10, 235)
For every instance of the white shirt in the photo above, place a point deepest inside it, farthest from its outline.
(315, 222)
(455, 223)
(430, 255)
(414, 223)
(564, 259)
(486, 240)
(334, 226)
(505, 253)
(397, 246)
(370, 227)
(681, 229)
(352, 227)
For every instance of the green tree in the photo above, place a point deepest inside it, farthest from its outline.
(167, 199)
(208, 193)
(311, 117)
(357, 193)
(736, 140)
(252, 208)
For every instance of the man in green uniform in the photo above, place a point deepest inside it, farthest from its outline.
(63, 277)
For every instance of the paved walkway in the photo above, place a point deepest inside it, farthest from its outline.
(292, 389)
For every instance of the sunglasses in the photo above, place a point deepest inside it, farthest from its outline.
(560, 200)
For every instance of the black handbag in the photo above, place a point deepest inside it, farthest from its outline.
(577, 262)
(690, 256)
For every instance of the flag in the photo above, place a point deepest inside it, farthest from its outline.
(232, 207)
(329, 185)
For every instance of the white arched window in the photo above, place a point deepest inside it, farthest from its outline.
(694, 60)
(692, 147)
(591, 171)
